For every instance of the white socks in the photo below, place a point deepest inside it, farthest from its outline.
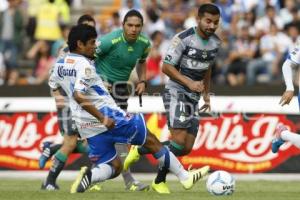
(102, 172)
(294, 138)
(174, 166)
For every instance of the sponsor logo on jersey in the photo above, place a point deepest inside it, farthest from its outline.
(88, 72)
(70, 61)
(130, 49)
(62, 72)
(168, 58)
(192, 52)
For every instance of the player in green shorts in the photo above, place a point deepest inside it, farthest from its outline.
(117, 54)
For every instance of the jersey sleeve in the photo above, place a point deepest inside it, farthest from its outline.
(145, 53)
(294, 56)
(85, 76)
(53, 80)
(174, 51)
(103, 46)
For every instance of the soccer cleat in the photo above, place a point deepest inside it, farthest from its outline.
(137, 186)
(194, 176)
(161, 188)
(96, 187)
(83, 181)
(46, 154)
(132, 157)
(277, 141)
(49, 187)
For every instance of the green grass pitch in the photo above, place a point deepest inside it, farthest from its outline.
(13, 189)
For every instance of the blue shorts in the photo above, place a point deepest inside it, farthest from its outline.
(102, 146)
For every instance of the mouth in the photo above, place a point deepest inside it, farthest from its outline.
(133, 35)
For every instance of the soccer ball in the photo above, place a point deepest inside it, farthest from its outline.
(220, 183)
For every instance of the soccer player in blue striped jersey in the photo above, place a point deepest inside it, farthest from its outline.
(101, 121)
(282, 134)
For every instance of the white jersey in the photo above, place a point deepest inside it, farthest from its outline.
(294, 56)
(77, 73)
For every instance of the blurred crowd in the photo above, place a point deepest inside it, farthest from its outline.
(256, 35)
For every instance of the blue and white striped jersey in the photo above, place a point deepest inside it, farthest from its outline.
(77, 73)
(294, 56)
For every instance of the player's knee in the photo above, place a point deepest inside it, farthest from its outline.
(117, 166)
(152, 143)
(69, 143)
(118, 171)
(177, 148)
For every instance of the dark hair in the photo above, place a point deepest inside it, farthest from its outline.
(131, 13)
(208, 8)
(115, 15)
(84, 18)
(154, 34)
(81, 32)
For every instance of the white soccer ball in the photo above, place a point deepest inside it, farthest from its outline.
(220, 183)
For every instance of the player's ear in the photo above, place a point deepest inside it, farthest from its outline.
(197, 19)
(80, 44)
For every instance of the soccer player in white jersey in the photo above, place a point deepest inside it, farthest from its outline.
(282, 134)
(71, 144)
(101, 121)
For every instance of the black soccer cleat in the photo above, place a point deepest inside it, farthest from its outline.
(83, 181)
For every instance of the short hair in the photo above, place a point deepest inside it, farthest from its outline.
(81, 32)
(84, 18)
(208, 8)
(131, 13)
(154, 34)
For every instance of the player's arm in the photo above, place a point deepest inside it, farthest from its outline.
(205, 93)
(87, 105)
(141, 71)
(85, 79)
(55, 90)
(287, 71)
(174, 74)
(59, 98)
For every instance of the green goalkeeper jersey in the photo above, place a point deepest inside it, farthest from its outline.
(116, 58)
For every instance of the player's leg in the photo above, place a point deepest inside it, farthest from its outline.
(130, 182)
(168, 160)
(68, 128)
(120, 94)
(48, 150)
(103, 156)
(183, 129)
(138, 134)
(282, 134)
(59, 161)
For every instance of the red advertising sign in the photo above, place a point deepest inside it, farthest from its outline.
(234, 142)
(21, 138)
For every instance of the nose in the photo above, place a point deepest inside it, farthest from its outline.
(212, 26)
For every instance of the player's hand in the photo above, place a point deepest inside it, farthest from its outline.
(286, 97)
(196, 86)
(140, 88)
(108, 122)
(206, 106)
